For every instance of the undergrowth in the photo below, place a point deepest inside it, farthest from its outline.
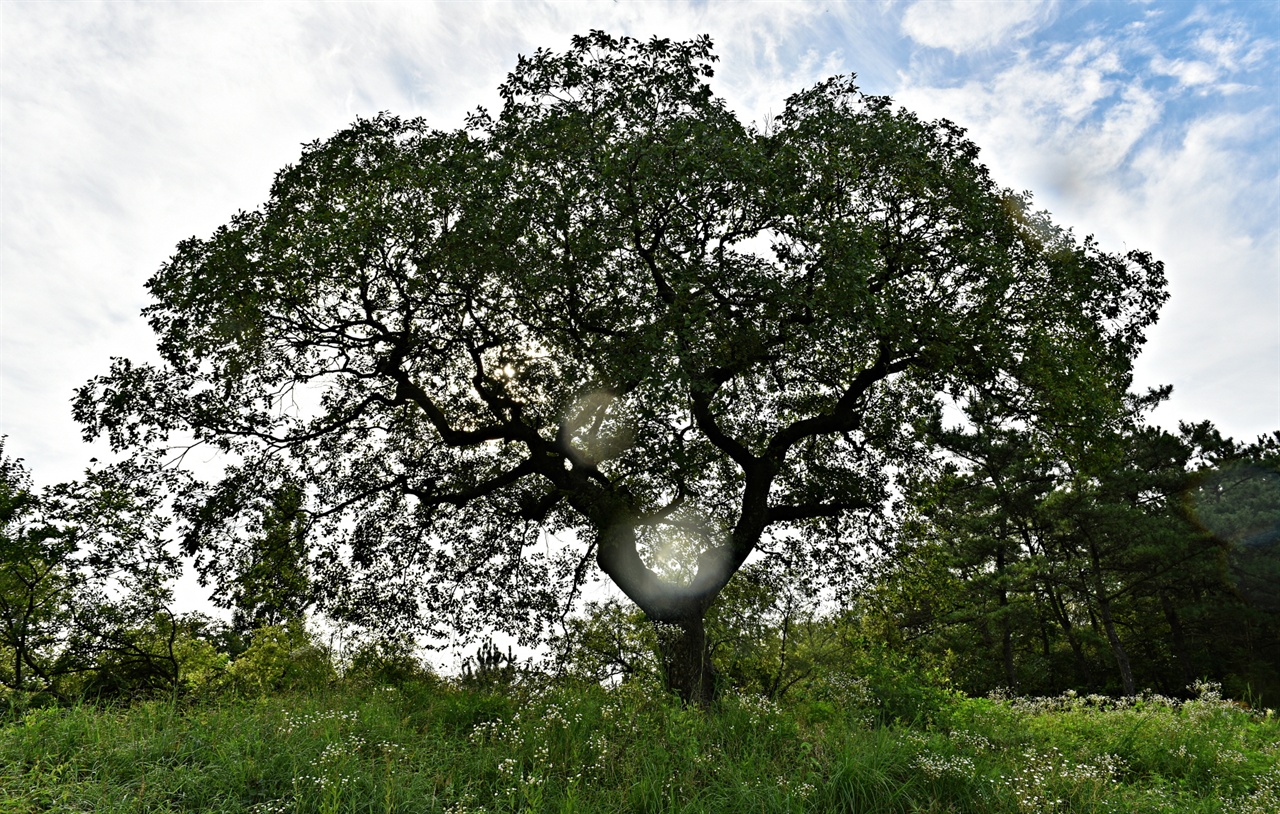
(542, 746)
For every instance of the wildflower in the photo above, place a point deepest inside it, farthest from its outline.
(937, 766)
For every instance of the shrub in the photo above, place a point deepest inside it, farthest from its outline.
(281, 658)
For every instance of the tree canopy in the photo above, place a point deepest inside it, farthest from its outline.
(616, 314)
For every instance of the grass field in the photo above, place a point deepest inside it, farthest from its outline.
(432, 746)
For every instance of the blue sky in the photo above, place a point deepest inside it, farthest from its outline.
(126, 127)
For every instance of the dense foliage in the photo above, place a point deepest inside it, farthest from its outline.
(84, 585)
(1151, 566)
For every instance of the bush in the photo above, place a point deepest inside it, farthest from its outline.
(281, 658)
(386, 662)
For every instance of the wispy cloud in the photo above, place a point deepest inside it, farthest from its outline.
(965, 25)
(1114, 151)
(130, 126)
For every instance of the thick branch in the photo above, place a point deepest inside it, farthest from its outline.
(661, 601)
(701, 408)
(844, 417)
(809, 511)
(406, 390)
(462, 497)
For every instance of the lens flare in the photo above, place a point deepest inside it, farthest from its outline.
(1241, 505)
(596, 427)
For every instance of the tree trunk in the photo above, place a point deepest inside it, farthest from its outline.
(686, 660)
(1117, 647)
(1109, 625)
(1064, 620)
(1006, 628)
(1046, 647)
(1179, 639)
(677, 611)
(776, 685)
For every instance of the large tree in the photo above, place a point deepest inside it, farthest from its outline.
(615, 313)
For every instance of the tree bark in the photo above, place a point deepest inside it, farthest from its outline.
(1117, 647)
(686, 660)
(1180, 654)
(1006, 628)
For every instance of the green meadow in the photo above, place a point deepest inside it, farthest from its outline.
(540, 745)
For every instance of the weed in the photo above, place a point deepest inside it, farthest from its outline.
(543, 746)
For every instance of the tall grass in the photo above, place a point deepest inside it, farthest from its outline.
(552, 747)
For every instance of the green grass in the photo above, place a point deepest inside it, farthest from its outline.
(432, 747)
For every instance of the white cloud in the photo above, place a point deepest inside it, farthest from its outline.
(1189, 72)
(1222, 47)
(967, 25)
(1112, 155)
(1230, 46)
(130, 126)
(1062, 124)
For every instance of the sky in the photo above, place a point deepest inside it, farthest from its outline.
(126, 127)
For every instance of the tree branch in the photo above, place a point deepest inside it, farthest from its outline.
(809, 511)
(844, 417)
(700, 401)
(462, 497)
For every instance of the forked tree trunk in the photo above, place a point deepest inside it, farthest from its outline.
(1109, 625)
(686, 660)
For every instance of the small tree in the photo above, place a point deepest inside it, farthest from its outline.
(84, 582)
(36, 578)
(615, 312)
(272, 585)
(607, 642)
